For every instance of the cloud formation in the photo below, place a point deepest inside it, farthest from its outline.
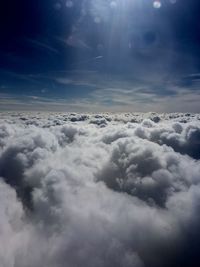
(99, 190)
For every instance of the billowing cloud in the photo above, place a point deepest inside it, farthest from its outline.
(99, 190)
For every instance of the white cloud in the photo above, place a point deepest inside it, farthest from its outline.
(74, 193)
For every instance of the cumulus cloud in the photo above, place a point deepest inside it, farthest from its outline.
(99, 190)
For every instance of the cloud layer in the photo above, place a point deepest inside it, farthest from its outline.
(99, 190)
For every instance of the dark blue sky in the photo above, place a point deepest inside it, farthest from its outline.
(100, 55)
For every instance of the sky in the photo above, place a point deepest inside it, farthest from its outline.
(100, 55)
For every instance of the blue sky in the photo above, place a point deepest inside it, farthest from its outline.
(92, 55)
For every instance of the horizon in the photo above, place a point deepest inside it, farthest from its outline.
(99, 133)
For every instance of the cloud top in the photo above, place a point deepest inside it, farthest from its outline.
(99, 190)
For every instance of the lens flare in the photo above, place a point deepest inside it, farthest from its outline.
(157, 4)
(57, 6)
(69, 4)
(113, 4)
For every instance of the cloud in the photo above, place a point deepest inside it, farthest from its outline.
(93, 91)
(78, 194)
